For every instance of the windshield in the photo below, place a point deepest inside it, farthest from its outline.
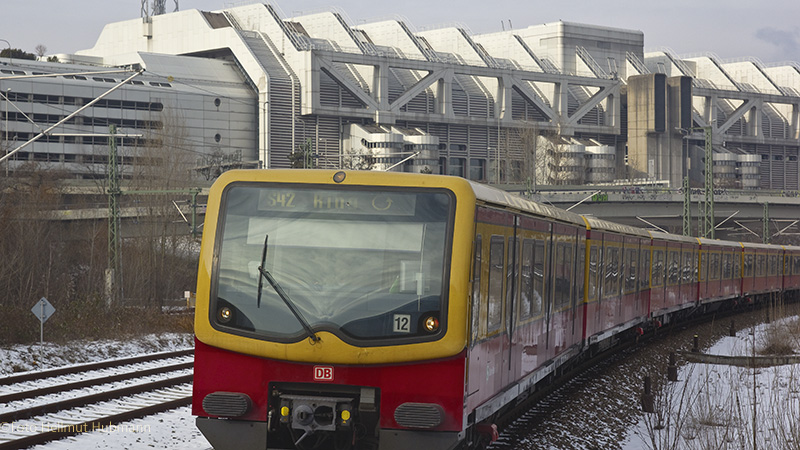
(360, 264)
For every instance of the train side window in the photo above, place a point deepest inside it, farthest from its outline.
(476, 287)
(714, 269)
(658, 268)
(674, 263)
(568, 273)
(630, 270)
(538, 278)
(511, 271)
(737, 265)
(686, 267)
(612, 263)
(727, 266)
(773, 265)
(580, 266)
(644, 269)
(562, 279)
(526, 291)
(748, 265)
(494, 318)
(592, 273)
(696, 265)
(761, 267)
(797, 265)
(787, 266)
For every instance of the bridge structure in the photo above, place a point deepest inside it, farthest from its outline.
(740, 215)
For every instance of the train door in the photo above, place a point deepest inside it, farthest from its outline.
(592, 285)
(549, 292)
(511, 292)
(644, 277)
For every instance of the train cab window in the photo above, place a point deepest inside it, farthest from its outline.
(612, 265)
(674, 266)
(686, 267)
(657, 276)
(631, 267)
(644, 269)
(367, 265)
(476, 287)
(727, 266)
(494, 318)
(592, 294)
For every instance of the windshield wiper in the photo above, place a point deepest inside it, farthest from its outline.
(264, 273)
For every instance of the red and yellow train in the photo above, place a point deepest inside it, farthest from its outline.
(366, 310)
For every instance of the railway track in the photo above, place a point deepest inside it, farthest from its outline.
(40, 407)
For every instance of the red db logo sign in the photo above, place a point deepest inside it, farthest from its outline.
(323, 373)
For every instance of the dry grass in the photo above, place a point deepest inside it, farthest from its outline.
(781, 338)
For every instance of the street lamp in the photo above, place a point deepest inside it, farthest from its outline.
(9, 50)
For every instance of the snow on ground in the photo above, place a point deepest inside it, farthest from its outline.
(170, 430)
(28, 357)
(721, 406)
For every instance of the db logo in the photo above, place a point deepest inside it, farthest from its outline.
(323, 373)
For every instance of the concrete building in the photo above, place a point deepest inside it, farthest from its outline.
(198, 109)
(255, 82)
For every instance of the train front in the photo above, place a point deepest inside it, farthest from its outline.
(331, 311)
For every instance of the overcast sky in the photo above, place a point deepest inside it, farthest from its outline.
(768, 30)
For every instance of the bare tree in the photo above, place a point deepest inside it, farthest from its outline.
(155, 263)
(41, 50)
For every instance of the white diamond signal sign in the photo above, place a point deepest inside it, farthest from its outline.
(43, 310)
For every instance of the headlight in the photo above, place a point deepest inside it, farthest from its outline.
(431, 324)
(224, 315)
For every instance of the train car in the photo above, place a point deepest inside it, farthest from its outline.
(791, 268)
(371, 310)
(720, 270)
(527, 319)
(617, 292)
(673, 278)
(760, 271)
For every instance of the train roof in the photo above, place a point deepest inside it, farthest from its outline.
(599, 224)
(499, 197)
(673, 237)
(755, 245)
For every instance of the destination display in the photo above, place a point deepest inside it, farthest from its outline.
(333, 202)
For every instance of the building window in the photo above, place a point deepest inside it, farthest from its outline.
(477, 169)
(456, 167)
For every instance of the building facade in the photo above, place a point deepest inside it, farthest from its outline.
(250, 81)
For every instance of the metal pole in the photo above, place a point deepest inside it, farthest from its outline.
(765, 221)
(113, 214)
(709, 185)
(687, 207)
(7, 144)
